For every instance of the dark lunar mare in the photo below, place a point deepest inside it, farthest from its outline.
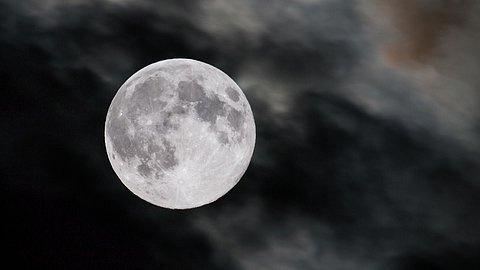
(142, 144)
(209, 108)
(232, 94)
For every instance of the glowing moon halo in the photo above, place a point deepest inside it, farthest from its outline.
(179, 133)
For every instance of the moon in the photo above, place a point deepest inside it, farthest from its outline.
(179, 133)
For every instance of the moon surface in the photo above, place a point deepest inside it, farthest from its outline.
(179, 133)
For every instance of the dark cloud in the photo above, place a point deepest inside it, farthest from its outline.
(360, 163)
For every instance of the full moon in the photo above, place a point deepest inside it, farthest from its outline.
(179, 133)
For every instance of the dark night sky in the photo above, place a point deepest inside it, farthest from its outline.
(368, 135)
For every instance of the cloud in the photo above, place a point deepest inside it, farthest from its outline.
(256, 239)
(420, 27)
(421, 43)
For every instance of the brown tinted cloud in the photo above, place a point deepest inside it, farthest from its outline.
(421, 25)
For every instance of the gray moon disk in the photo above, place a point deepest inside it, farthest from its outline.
(179, 133)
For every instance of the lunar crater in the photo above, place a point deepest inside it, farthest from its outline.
(232, 94)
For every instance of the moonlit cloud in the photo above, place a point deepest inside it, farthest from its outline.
(426, 42)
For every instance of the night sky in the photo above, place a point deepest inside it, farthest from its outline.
(368, 134)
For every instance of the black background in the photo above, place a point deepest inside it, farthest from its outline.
(358, 163)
